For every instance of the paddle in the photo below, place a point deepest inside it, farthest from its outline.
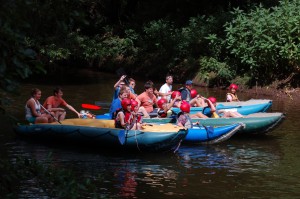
(99, 103)
(121, 137)
(91, 106)
(209, 129)
(123, 133)
(50, 114)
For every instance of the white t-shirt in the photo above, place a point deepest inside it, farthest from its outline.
(165, 89)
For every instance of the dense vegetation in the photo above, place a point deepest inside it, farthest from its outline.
(211, 41)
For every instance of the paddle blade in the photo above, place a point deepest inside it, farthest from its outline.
(90, 106)
(121, 137)
(210, 129)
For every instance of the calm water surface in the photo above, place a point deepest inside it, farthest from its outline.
(243, 167)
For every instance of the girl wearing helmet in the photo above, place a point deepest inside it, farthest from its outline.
(232, 96)
(126, 118)
(183, 118)
(176, 96)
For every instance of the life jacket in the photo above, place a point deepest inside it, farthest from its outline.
(233, 96)
(161, 113)
(213, 115)
(188, 96)
(128, 119)
(189, 122)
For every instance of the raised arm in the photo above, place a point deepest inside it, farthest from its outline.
(118, 82)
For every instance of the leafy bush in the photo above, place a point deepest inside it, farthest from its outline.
(266, 40)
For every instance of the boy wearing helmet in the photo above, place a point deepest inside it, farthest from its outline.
(232, 96)
(165, 107)
(212, 112)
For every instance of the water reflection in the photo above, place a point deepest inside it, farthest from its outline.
(235, 158)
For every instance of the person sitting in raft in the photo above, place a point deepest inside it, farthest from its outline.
(183, 118)
(232, 96)
(195, 99)
(116, 104)
(131, 96)
(33, 107)
(165, 90)
(126, 118)
(132, 85)
(164, 108)
(148, 99)
(177, 102)
(54, 102)
(137, 115)
(212, 112)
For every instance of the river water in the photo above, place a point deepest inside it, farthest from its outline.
(242, 167)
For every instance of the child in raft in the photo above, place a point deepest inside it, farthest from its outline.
(128, 117)
(212, 112)
(232, 96)
(165, 108)
(183, 118)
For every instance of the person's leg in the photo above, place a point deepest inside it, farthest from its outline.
(61, 116)
(197, 102)
(41, 119)
(144, 112)
(236, 114)
(198, 115)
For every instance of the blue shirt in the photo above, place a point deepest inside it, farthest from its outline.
(116, 93)
(115, 105)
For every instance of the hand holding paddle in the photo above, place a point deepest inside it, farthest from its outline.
(50, 114)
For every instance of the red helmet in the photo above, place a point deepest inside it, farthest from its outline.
(194, 93)
(185, 107)
(175, 93)
(161, 102)
(233, 86)
(125, 102)
(133, 104)
(212, 99)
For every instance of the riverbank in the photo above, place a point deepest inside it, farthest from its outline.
(293, 93)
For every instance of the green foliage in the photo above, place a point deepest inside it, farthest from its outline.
(266, 40)
(17, 56)
(55, 53)
(212, 70)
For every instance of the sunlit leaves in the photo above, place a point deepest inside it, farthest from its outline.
(266, 38)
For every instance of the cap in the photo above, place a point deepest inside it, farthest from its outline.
(189, 82)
